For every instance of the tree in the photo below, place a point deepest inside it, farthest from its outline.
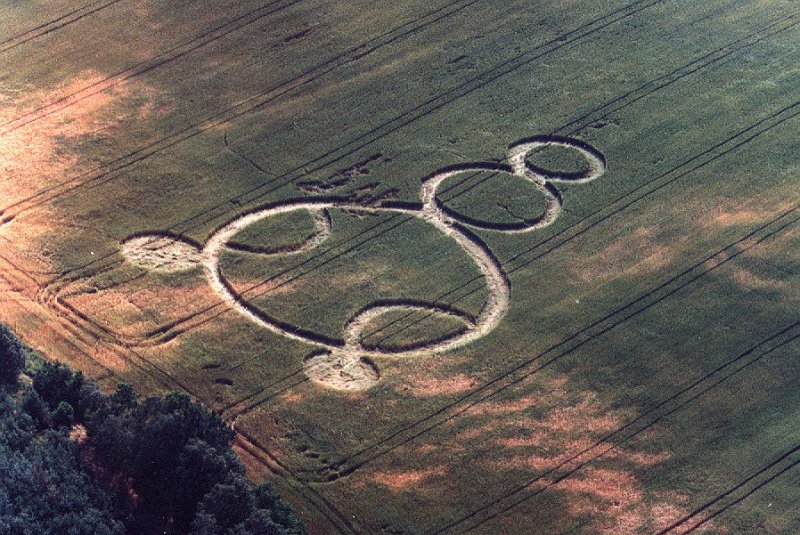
(44, 487)
(262, 523)
(55, 383)
(281, 512)
(63, 416)
(204, 524)
(34, 406)
(230, 503)
(171, 449)
(12, 359)
(198, 469)
(123, 398)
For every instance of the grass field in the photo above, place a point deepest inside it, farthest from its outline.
(644, 376)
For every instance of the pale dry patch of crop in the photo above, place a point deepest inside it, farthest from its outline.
(553, 426)
(30, 155)
(141, 306)
(637, 253)
(546, 428)
(540, 450)
(150, 109)
(618, 502)
(562, 419)
(475, 432)
(614, 486)
(700, 209)
(439, 367)
(37, 155)
(665, 508)
(785, 245)
(780, 251)
(292, 397)
(422, 386)
(615, 497)
(143, 11)
(549, 392)
(639, 458)
(648, 249)
(560, 430)
(533, 439)
(425, 448)
(408, 480)
(744, 212)
(729, 218)
(497, 408)
(748, 279)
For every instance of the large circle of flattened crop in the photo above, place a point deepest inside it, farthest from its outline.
(341, 370)
(161, 252)
(395, 327)
(289, 232)
(492, 199)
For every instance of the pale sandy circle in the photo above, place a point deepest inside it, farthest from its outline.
(341, 370)
(159, 252)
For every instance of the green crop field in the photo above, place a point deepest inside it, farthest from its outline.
(452, 266)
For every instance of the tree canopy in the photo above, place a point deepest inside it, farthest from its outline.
(74, 460)
(12, 359)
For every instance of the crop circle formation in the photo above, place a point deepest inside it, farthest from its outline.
(349, 365)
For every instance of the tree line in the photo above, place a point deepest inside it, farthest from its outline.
(75, 460)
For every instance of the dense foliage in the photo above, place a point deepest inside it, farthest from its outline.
(74, 460)
(12, 359)
(44, 486)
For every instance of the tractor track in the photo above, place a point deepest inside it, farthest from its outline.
(622, 101)
(344, 526)
(111, 170)
(638, 425)
(53, 25)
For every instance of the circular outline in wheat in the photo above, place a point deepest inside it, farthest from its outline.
(348, 364)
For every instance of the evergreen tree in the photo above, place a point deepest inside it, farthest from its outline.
(204, 524)
(280, 511)
(55, 383)
(230, 503)
(63, 416)
(12, 359)
(261, 523)
(34, 406)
